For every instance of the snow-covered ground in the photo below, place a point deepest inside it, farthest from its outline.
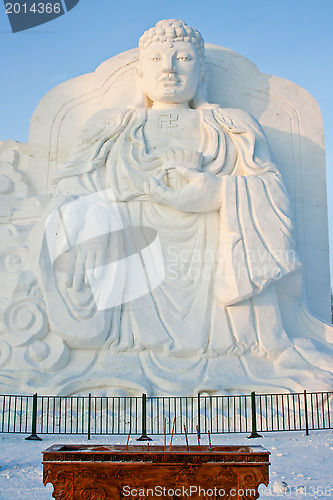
(301, 466)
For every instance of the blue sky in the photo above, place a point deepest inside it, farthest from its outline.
(292, 39)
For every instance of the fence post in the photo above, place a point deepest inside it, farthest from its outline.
(33, 436)
(306, 414)
(89, 415)
(199, 418)
(254, 433)
(144, 436)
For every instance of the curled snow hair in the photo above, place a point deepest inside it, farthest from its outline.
(173, 30)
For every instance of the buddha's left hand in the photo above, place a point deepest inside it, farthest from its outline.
(201, 194)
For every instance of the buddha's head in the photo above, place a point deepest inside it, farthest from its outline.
(171, 63)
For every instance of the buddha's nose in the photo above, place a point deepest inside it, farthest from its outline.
(169, 66)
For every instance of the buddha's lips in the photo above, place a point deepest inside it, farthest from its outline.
(170, 84)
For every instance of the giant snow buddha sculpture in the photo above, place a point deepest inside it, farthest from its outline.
(168, 236)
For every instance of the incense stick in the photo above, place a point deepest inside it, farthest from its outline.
(128, 439)
(188, 448)
(210, 442)
(198, 436)
(173, 428)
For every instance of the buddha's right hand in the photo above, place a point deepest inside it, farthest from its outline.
(86, 263)
(87, 235)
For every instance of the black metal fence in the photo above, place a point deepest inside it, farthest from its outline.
(254, 413)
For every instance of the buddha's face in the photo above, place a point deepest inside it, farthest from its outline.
(170, 72)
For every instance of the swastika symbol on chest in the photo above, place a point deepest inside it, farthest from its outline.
(168, 120)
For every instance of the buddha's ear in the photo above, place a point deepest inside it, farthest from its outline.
(141, 99)
(139, 69)
(201, 96)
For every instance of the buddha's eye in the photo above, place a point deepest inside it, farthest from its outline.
(154, 58)
(184, 57)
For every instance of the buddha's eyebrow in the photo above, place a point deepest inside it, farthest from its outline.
(155, 53)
